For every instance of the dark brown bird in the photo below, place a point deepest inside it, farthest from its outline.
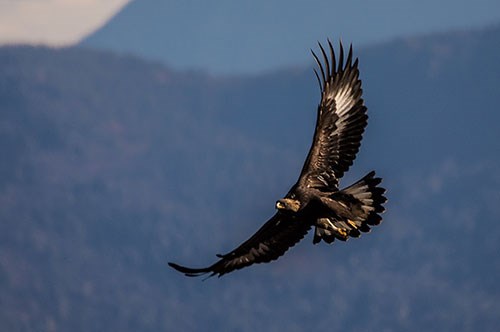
(315, 200)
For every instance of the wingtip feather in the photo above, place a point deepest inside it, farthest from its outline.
(341, 57)
(320, 68)
(189, 271)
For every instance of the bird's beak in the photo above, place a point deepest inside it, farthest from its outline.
(280, 205)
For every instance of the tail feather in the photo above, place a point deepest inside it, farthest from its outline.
(363, 202)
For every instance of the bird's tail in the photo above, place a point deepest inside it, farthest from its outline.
(362, 204)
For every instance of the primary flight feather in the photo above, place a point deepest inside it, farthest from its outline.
(315, 199)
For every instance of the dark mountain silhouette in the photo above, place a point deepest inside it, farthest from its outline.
(230, 37)
(111, 166)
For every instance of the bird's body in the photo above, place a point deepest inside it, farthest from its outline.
(316, 200)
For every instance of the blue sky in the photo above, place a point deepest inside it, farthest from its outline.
(234, 37)
(57, 22)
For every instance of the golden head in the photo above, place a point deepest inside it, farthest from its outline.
(288, 204)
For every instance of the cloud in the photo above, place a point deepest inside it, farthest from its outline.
(54, 22)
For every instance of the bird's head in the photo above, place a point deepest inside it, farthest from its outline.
(288, 204)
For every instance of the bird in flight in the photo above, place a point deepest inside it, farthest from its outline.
(315, 200)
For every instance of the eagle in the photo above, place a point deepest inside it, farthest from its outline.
(315, 200)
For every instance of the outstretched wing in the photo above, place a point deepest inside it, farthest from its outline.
(271, 241)
(340, 123)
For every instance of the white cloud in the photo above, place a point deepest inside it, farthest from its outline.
(54, 22)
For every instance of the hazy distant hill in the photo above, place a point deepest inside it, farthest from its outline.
(234, 37)
(111, 166)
